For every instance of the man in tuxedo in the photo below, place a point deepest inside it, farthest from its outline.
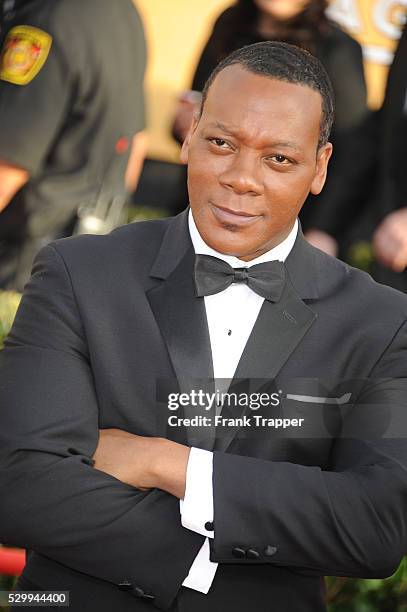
(92, 471)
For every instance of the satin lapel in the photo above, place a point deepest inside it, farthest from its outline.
(277, 332)
(181, 318)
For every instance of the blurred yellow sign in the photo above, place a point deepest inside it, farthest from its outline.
(376, 24)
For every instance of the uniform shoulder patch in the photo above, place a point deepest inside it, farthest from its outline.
(24, 53)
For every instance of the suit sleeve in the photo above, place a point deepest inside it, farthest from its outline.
(53, 500)
(349, 520)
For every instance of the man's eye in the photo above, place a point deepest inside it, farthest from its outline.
(219, 142)
(280, 159)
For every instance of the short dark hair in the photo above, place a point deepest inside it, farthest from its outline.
(283, 62)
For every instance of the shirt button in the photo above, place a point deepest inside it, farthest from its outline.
(209, 526)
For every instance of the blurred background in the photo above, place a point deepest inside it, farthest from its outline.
(177, 32)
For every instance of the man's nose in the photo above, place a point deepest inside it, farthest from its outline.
(243, 175)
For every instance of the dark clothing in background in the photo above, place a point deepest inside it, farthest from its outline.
(342, 57)
(72, 125)
(392, 155)
(340, 54)
(386, 143)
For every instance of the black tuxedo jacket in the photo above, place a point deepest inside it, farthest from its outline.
(102, 319)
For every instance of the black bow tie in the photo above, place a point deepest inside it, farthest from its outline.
(213, 275)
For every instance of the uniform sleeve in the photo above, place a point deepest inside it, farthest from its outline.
(349, 520)
(53, 500)
(31, 114)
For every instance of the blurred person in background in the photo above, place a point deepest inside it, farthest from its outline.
(72, 120)
(303, 23)
(390, 238)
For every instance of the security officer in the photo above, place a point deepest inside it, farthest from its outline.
(71, 116)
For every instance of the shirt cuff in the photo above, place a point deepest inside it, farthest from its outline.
(197, 506)
(202, 571)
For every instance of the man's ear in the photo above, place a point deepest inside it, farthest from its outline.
(185, 144)
(323, 157)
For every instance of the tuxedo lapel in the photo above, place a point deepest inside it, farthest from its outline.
(181, 318)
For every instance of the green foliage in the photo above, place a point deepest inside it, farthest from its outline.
(360, 255)
(389, 595)
(6, 584)
(9, 301)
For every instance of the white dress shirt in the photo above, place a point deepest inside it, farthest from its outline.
(231, 315)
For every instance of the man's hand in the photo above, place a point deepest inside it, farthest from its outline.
(323, 241)
(12, 179)
(143, 462)
(390, 241)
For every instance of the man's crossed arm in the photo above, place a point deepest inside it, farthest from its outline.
(143, 462)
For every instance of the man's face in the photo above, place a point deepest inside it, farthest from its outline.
(252, 160)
